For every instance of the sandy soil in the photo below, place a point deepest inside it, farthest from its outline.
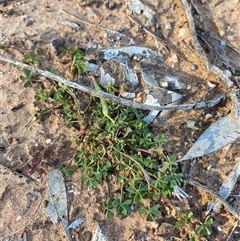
(37, 24)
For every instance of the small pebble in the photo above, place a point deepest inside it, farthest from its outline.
(48, 8)
(136, 57)
(208, 116)
(155, 224)
(132, 206)
(128, 95)
(230, 38)
(223, 42)
(219, 228)
(211, 84)
(105, 35)
(221, 33)
(227, 73)
(209, 167)
(194, 67)
(18, 217)
(191, 125)
(2, 37)
(48, 141)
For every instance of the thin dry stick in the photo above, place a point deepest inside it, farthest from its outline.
(101, 94)
(18, 173)
(17, 134)
(229, 236)
(86, 22)
(95, 25)
(148, 32)
(146, 175)
(216, 197)
(27, 222)
(12, 170)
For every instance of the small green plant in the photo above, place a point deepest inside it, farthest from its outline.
(150, 213)
(27, 78)
(78, 65)
(66, 171)
(62, 94)
(71, 105)
(54, 71)
(187, 219)
(41, 95)
(33, 57)
(137, 192)
(204, 228)
(122, 207)
(39, 115)
(109, 209)
(103, 102)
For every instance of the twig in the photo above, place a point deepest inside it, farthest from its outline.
(10, 169)
(228, 45)
(101, 94)
(18, 173)
(28, 222)
(146, 175)
(98, 26)
(228, 185)
(148, 32)
(229, 236)
(84, 21)
(17, 134)
(216, 197)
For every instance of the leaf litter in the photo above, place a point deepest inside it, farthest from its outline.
(57, 208)
(218, 135)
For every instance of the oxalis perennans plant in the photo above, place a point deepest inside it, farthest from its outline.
(117, 144)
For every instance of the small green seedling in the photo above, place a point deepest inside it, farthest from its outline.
(78, 65)
(204, 228)
(187, 219)
(137, 192)
(33, 57)
(122, 207)
(66, 171)
(61, 95)
(150, 213)
(39, 115)
(41, 95)
(53, 71)
(27, 78)
(109, 209)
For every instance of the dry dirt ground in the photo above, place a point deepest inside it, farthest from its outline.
(37, 24)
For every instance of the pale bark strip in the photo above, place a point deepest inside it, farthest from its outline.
(101, 94)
